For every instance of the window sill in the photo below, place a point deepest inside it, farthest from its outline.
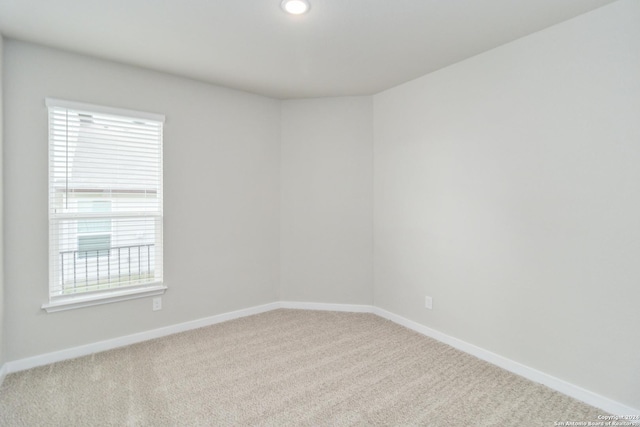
(80, 301)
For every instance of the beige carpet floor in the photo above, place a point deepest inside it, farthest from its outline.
(284, 367)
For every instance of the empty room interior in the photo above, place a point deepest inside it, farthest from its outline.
(322, 212)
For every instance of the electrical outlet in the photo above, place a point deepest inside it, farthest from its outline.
(428, 302)
(157, 303)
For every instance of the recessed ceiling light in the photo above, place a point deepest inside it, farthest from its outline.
(295, 7)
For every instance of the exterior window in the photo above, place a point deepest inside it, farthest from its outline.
(94, 235)
(105, 205)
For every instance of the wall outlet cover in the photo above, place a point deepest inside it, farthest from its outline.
(428, 302)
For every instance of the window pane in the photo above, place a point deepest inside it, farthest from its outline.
(94, 225)
(97, 245)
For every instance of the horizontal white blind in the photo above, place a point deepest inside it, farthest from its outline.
(105, 198)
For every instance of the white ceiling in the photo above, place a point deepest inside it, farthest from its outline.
(341, 47)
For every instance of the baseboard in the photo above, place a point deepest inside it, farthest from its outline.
(84, 350)
(550, 381)
(352, 308)
(3, 373)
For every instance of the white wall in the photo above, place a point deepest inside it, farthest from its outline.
(221, 233)
(327, 206)
(507, 187)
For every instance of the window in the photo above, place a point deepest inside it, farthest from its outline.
(105, 205)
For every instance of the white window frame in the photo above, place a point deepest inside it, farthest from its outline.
(79, 300)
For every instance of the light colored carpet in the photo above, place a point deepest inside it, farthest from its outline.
(284, 367)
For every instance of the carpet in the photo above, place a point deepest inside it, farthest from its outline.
(284, 367)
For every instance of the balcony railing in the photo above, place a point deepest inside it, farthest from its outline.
(106, 268)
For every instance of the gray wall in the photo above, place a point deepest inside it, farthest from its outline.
(327, 200)
(1, 206)
(507, 187)
(221, 165)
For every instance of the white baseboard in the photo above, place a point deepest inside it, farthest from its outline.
(84, 350)
(3, 373)
(550, 381)
(352, 308)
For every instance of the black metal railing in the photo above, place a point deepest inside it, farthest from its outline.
(98, 268)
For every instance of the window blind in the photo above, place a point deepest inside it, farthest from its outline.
(105, 199)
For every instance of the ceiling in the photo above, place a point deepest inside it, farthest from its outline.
(341, 47)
